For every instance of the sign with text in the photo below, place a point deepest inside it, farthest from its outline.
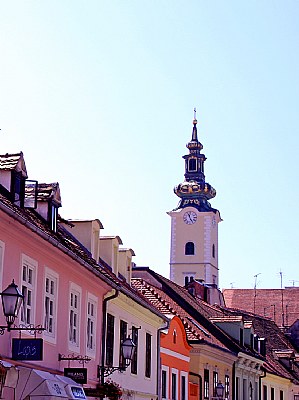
(78, 375)
(27, 349)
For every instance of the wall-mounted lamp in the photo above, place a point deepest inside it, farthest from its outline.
(12, 300)
(127, 350)
(219, 390)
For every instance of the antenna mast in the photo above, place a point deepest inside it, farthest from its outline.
(255, 294)
(282, 306)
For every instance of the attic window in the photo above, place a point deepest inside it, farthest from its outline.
(18, 188)
(30, 198)
(53, 214)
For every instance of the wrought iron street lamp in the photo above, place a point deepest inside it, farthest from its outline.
(219, 390)
(127, 350)
(12, 300)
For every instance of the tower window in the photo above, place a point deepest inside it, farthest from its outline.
(213, 251)
(189, 249)
(192, 164)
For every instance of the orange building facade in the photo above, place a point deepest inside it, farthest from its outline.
(175, 363)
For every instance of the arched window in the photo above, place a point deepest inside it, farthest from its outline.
(213, 251)
(192, 166)
(189, 249)
(174, 336)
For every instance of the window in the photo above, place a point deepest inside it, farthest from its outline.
(123, 328)
(237, 388)
(18, 188)
(265, 393)
(281, 395)
(244, 389)
(189, 249)
(28, 290)
(164, 384)
(192, 164)
(91, 324)
(241, 336)
(174, 335)
(74, 316)
(250, 391)
(213, 251)
(272, 393)
(206, 378)
(215, 381)
(50, 304)
(226, 387)
(135, 354)
(53, 214)
(184, 393)
(110, 340)
(148, 355)
(173, 386)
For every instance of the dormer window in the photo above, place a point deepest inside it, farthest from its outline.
(241, 336)
(53, 214)
(18, 188)
(192, 165)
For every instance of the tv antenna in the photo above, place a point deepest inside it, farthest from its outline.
(255, 294)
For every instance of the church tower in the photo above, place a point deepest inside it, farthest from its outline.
(194, 223)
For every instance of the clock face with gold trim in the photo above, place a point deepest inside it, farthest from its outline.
(190, 217)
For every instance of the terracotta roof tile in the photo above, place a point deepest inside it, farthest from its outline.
(266, 302)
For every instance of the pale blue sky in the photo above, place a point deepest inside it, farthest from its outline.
(99, 96)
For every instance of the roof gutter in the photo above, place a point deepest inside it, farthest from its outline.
(92, 269)
(56, 243)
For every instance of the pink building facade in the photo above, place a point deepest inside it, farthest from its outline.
(78, 303)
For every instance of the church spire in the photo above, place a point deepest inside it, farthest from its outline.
(195, 191)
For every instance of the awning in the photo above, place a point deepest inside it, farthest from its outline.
(39, 385)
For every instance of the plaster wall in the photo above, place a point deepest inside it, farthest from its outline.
(138, 385)
(21, 243)
(203, 233)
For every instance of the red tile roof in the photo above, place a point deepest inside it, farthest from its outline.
(281, 305)
(165, 304)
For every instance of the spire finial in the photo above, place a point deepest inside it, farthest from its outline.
(194, 119)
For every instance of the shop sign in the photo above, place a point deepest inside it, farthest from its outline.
(78, 375)
(27, 349)
(77, 392)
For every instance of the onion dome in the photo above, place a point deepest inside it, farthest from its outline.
(195, 191)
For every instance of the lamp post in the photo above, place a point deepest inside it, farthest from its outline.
(127, 350)
(12, 300)
(219, 390)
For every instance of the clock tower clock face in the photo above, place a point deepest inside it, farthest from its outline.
(190, 217)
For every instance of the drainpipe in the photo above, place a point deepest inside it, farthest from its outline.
(234, 380)
(158, 389)
(199, 384)
(105, 301)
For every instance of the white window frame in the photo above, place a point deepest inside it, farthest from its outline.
(175, 372)
(2, 249)
(28, 288)
(53, 297)
(75, 311)
(166, 369)
(91, 320)
(185, 374)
